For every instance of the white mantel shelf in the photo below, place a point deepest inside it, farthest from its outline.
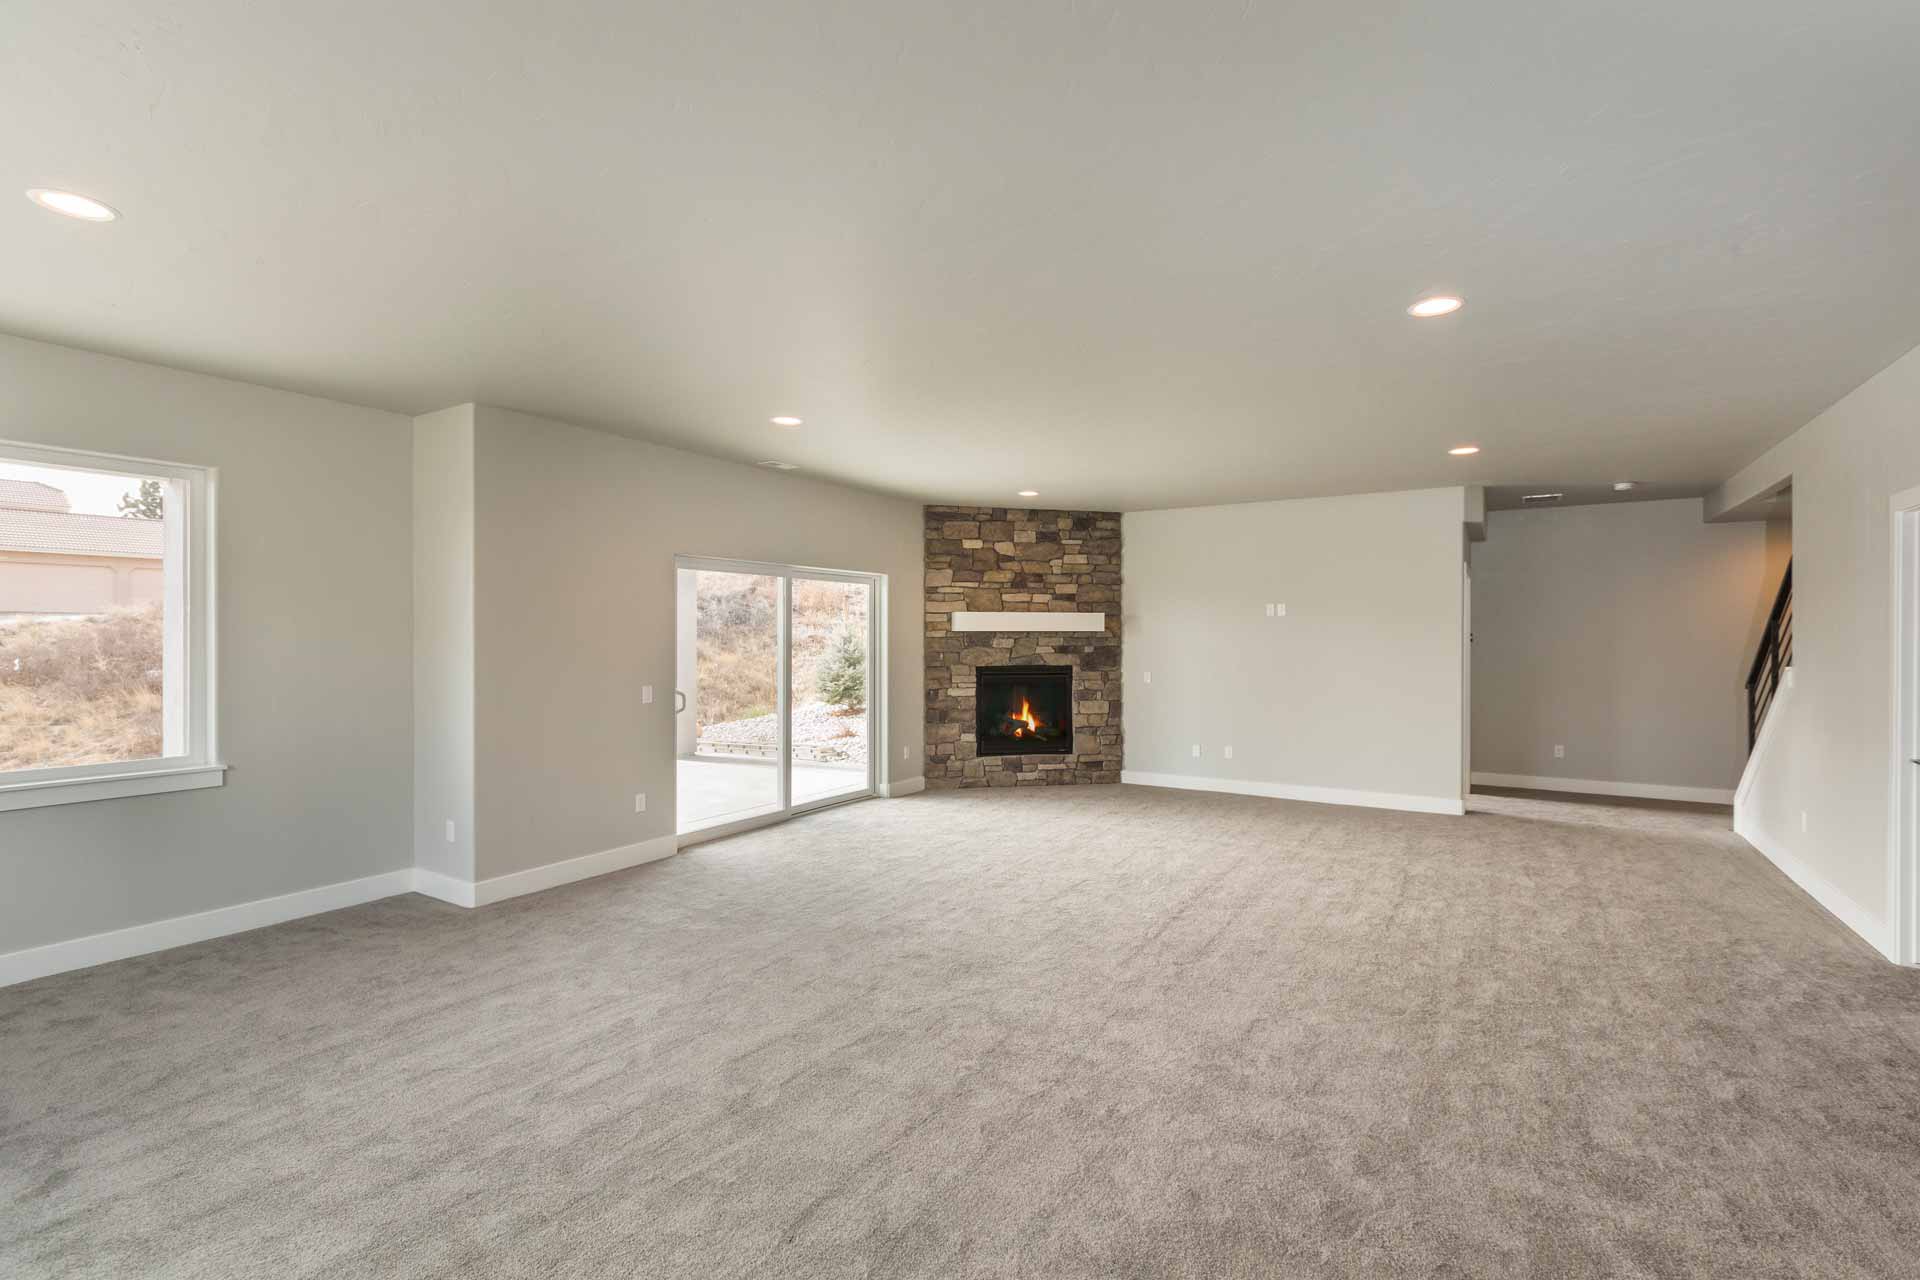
(1034, 620)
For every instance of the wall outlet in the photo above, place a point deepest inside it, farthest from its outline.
(1270, 609)
(639, 802)
(449, 830)
(1147, 676)
(1559, 752)
(906, 753)
(1227, 752)
(1803, 822)
(646, 693)
(1280, 610)
(1196, 751)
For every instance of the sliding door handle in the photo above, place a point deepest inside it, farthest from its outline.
(680, 703)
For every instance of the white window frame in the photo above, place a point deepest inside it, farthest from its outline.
(190, 757)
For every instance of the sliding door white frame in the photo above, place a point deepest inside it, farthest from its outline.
(785, 574)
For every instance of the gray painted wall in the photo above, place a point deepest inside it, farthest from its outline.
(1836, 767)
(443, 666)
(315, 680)
(1358, 687)
(576, 531)
(1620, 632)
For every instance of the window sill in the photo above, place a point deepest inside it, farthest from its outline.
(34, 795)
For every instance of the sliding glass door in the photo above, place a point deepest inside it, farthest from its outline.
(727, 698)
(829, 621)
(775, 705)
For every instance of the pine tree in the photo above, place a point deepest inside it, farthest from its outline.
(148, 505)
(842, 680)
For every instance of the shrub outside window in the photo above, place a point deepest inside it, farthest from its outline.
(106, 635)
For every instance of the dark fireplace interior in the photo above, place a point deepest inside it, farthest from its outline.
(1023, 711)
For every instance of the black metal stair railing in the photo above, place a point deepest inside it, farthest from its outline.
(1774, 657)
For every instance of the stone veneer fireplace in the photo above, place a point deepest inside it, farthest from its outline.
(1009, 560)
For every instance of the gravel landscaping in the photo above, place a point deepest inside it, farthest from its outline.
(821, 731)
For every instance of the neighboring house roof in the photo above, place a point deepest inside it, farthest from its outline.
(31, 495)
(61, 532)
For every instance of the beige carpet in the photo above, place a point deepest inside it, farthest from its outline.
(1112, 1032)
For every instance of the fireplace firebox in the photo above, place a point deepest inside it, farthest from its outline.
(1023, 711)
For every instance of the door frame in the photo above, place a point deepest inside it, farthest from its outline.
(1903, 836)
(1466, 679)
(876, 584)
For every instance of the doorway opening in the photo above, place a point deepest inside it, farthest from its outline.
(776, 695)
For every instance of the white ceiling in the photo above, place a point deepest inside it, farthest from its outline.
(1130, 255)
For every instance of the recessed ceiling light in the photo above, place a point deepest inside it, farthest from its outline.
(1029, 493)
(72, 204)
(1439, 305)
(1622, 486)
(785, 422)
(1541, 497)
(778, 465)
(1463, 450)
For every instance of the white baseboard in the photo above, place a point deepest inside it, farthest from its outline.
(903, 787)
(1594, 787)
(1290, 791)
(1820, 889)
(1878, 933)
(438, 884)
(585, 867)
(141, 939)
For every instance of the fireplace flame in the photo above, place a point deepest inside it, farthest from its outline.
(1026, 717)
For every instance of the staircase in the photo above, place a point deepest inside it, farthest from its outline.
(1774, 657)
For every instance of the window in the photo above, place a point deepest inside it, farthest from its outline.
(106, 627)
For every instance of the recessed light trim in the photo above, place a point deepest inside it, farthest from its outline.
(1625, 486)
(72, 204)
(1541, 497)
(784, 421)
(776, 465)
(1029, 493)
(1464, 450)
(1439, 304)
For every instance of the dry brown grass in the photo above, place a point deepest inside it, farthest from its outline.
(736, 641)
(80, 691)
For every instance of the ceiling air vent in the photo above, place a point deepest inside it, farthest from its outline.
(1535, 499)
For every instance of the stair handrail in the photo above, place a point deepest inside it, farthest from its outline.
(1775, 655)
